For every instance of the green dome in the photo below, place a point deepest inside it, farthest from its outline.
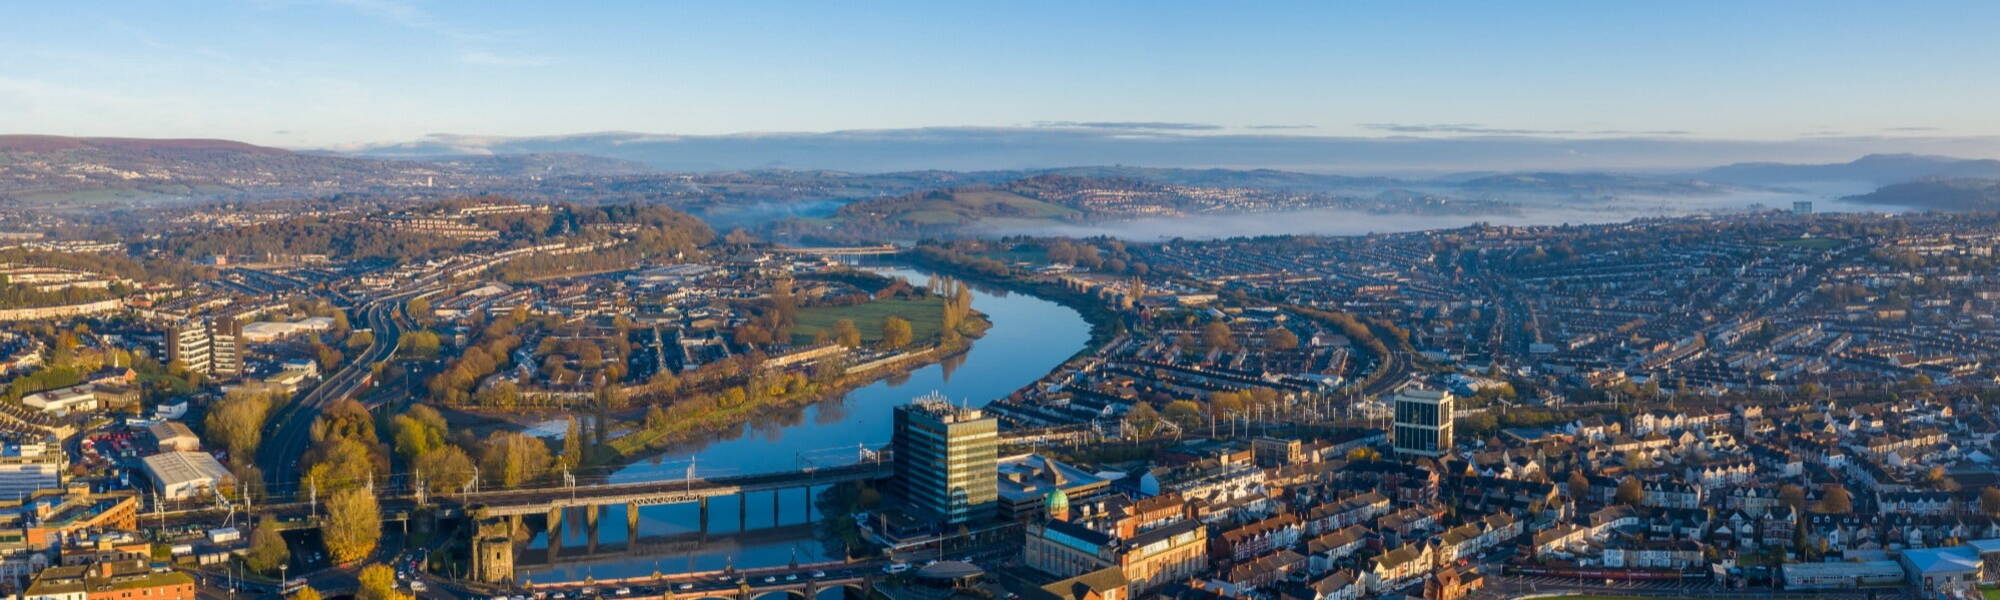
(1057, 501)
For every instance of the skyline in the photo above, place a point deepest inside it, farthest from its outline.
(348, 74)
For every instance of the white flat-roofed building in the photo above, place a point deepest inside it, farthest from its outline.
(183, 475)
(172, 436)
(265, 331)
(25, 468)
(62, 401)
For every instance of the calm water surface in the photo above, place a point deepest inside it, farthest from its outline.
(1030, 336)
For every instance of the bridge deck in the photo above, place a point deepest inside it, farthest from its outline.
(537, 501)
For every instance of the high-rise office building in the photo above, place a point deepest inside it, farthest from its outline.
(1423, 423)
(947, 460)
(207, 346)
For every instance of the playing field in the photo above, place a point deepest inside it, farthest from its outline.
(925, 316)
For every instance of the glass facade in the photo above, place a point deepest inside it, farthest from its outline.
(1423, 423)
(947, 461)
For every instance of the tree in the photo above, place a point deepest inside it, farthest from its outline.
(1280, 338)
(656, 419)
(360, 340)
(1793, 496)
(378, 582)
(238, 421)
(1989, 500)
(353, 525)
(572, 452)
(512, 458)
(1224, 405)
(1630, 492)
(341, 462)
(418, 431)
(419, 309)
(325, 355)
(306, 593)
(1216, 336)
(1364, 453)
(445, 469)
(1835, 500)
(420, 343)
(267, 547)
(895, 332)
(1142, 417)
(1184, 413)
(846, 334)
(1579, 486)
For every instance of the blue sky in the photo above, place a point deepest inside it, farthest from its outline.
(343, 72)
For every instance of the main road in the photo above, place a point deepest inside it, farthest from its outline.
(289, 435)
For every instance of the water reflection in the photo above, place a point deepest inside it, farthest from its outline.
(1029, 337)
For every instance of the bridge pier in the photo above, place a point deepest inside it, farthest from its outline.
(704, 517)
(806, 505)
(590, 527)
(555, 533)
(632, 527)
(742, 512)
(775, 495)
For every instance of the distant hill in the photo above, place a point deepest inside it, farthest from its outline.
(73, 172)
(1589, 184)
(1247, 178)
(1877, 169)
(55, 143)
(546, 164)
(1030, 148)
(1059, 197)
(1945, 194)
(942, 210)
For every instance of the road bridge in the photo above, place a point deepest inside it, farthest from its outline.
(500, 513)
(843, 250)
(503, 503)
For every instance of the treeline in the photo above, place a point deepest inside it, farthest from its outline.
(957, 309)
(156, 269)
(340, 239)
(729, 391)
(958, 257)
(489, 352)
(660, 231)
(21, 296)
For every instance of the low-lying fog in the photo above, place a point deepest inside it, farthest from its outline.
(1354, 222)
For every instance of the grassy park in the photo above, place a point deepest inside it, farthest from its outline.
(925, 315)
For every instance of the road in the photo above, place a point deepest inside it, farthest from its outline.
(289, 435)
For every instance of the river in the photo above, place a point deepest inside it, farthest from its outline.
(1029, 337)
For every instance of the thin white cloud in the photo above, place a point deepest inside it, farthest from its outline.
(488, 58)
(475, 46)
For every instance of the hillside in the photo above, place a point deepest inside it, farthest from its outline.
(39, 171)
(67, 172)
(1956, 195)
(951, 207)
(1588, 184)
(1878, 169)
(1061, 198)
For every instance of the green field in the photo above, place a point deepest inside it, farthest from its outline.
(1809, 243)
(975, 205)
(925, 315)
